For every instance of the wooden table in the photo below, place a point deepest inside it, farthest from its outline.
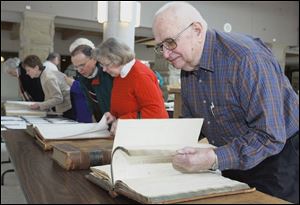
(43, 181)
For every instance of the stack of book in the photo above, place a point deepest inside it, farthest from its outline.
(82, 154)
(18, 108)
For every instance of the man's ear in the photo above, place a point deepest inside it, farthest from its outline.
(197, 26)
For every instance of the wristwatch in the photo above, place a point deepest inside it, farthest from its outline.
(215, 165)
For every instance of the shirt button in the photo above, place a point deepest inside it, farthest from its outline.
(204, 101)
(213, 142)
(200, 81)
(208, 122)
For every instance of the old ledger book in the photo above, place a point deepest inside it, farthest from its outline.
(82, 154)
(141, 167)
(18, 108)
(49, 134)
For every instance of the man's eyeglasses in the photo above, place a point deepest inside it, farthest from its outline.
(169, 43)
(81, 66)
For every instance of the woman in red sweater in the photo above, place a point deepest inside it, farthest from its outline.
(136, 92)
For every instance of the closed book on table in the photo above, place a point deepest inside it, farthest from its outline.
(82, 154)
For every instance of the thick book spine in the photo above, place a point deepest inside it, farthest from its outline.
(85, 159)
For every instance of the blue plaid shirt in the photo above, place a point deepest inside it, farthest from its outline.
(249, 106)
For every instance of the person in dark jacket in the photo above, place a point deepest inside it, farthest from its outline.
(95, 84)
(30, 89)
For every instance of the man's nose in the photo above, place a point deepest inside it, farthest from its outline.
(166, 53)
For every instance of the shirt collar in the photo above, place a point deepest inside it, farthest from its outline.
(94, 73)
(126, 68)
(206, 61)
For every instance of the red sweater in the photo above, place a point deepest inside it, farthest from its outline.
(137, 92)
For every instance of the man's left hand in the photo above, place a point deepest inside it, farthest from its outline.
(191, 159)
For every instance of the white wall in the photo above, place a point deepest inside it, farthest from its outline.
(9, 87)
(266, 19)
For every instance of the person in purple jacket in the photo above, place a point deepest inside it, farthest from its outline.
(79, 104)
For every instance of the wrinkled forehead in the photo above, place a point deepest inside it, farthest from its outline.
(165, 28)
(79, 58)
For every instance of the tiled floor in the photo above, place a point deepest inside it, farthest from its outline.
(11, 192)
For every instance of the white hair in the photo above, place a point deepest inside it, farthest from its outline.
(184, 10)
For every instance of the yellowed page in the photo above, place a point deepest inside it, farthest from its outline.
(159, 136)
(145, 162)
(74, 131)
(102, 171)
(169, 187)
(156, 132)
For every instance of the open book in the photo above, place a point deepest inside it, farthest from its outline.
(18, 108)
(47, 134)
(141, 167)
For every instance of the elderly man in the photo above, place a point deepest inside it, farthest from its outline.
(95, 84)
(251, 111)
(52, 62)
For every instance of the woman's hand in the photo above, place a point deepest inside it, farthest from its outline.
(35, 106)
(109, 117)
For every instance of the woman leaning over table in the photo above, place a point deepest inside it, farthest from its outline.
(136, 92)
(56, 90)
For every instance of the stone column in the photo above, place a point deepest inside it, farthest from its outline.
(124, 31)
(36, 35)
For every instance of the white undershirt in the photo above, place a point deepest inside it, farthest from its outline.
(93, 74)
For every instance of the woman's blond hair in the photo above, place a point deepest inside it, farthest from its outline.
(116, 52)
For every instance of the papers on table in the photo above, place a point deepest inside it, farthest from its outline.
(13, 122)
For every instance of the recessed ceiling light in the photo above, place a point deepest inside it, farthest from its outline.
(227, 27)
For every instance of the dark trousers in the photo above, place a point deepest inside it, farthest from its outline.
(69, 114)
(277, 175)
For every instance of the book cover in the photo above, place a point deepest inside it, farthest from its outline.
(82, 154)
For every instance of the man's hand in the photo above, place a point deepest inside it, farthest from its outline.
(35, 106)
(191, 159)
